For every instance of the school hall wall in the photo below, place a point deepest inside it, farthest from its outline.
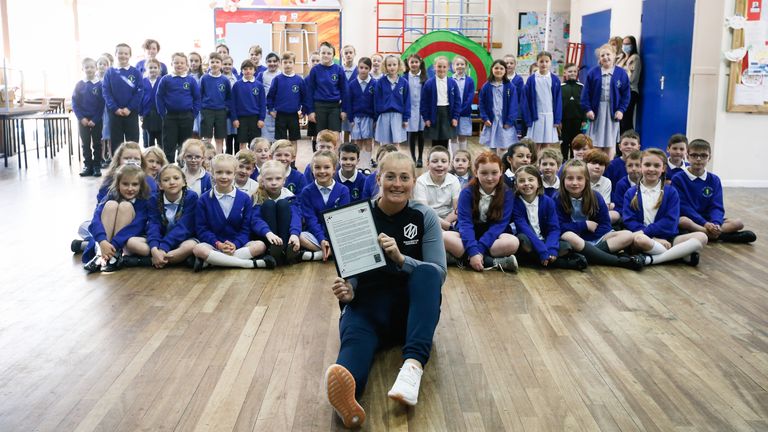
(739, 150)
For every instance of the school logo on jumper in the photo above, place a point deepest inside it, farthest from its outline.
(186, 86)
(295, 88)
(410, 231)
(221, 87)
(355, 193)
(291, 187)
(95, 90)
(370, 89)
(334, 77)
(402, 90)
(255, 91)
(707, 191)
(131, 78)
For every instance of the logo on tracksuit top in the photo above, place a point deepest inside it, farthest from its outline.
(186, 86)
(295, 88)
(255, 91)
(707, 191)
(410, 231)
(221, 87)
(334, 77)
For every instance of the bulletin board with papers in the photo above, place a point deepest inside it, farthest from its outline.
(748, 83)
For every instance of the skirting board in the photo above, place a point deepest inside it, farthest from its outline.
(745, 183)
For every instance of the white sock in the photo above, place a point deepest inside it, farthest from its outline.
(462, 143)
(365, 159)
(657, 249)
(678, 251)
(312, 256)
(223, 260)
(243, 253)
(453, 145)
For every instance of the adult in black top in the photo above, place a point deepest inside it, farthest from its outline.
(396, 304)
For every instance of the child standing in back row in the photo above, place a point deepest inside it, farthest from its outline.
(543, 103)
(216, 95)
(391, 104)
(287, 97)
(88, 106)
(498, 110)
(440, 105)
(466, 86)
(359, 107)
(417, 76)
(574, 119)
(248, 106)
(326, 86)
(122, 96)
(178, 103)
(605, 98)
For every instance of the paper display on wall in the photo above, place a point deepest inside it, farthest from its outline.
(748, 95)
(756, 43)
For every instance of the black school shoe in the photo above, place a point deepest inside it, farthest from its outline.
(632, 262)
(572, 261)
(738, 237)
(419, 163)
(136, 261)
(76, 246)
(276, 252)
(693, 259)
(86, 172)
(94, 265)
(291, 256)
(115, 263)
(96, 171)
(269, 262)
(197, 267)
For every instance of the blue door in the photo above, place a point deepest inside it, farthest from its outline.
(665, 50)
(595, 31)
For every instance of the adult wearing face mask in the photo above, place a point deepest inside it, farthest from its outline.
(630, 61)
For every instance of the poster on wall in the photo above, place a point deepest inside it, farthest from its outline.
(286, 4)
(277, 30)
(530, 40)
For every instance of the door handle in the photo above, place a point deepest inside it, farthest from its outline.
(661, 82)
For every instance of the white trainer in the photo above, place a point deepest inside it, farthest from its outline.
(406, 387)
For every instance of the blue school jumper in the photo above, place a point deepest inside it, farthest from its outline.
(509, 108)
(248, 99)
(325, 84)
(141, 66)
(701, 200)
(211, 225)
(359, 103)
(579, 226)
(387, 99)
(355, 186)
(134, 229)
(428, 103)
(350, 75)
(259, 69)
(551, 192)
(672, 171)
(615, 171)
(548, 223)
(87, 101)
(166, 234)
(122, 89)
(312, 206)
(295, 182)
(519, 84)
(370, 188)
(620, 93)
(618, 192)
(466, 96)
(529, 104)
(287, 94)
(466, 223)
(509, 179)
(664, 224)
(260, 227)
(149, 100)
(215, 92)
(178, 94)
